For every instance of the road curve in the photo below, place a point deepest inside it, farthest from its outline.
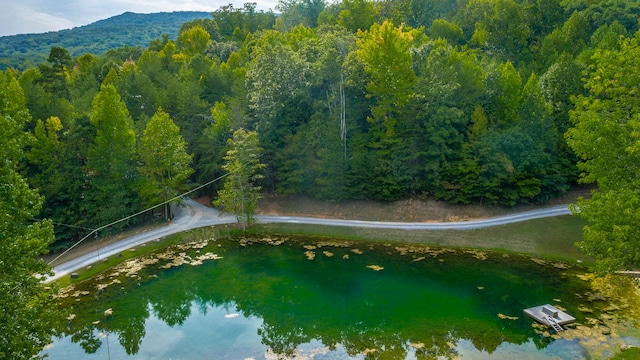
(191, 215)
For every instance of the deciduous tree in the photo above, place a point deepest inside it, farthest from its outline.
(241, 192)
(606, 137)
(194, 41)
(28, 311)
(212, 145)
(357, 14)
(165, 161)
(384, 51)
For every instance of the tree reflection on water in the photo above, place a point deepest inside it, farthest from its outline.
(422, 302)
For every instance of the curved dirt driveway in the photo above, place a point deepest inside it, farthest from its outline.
(192, 215)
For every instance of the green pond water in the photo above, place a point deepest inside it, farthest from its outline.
(308, 298)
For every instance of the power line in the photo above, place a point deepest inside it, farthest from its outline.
(95, 231)
(62, 224)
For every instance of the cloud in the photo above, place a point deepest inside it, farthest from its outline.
(16, 18)
(36, 16)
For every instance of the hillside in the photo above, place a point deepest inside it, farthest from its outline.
(21, 51)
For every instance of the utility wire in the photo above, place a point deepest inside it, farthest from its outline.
(62, 224)
(95, 231)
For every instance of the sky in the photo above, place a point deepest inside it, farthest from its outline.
(38, 16)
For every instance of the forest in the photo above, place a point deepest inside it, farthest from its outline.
(462, 101)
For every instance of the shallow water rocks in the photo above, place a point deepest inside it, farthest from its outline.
(255, 287)
(507, 317)
(605, 330)
(480, 255)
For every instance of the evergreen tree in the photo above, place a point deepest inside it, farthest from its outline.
(110, 159)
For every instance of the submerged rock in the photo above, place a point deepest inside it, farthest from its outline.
(507, 317)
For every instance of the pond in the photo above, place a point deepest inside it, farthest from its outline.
(310, 298)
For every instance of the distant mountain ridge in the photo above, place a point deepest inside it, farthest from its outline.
(133, 29)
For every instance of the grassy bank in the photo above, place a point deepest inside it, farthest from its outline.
(140, 250)
(110, 262)
(550, 238)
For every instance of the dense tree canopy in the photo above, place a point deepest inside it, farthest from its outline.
(606, 138)
(28, 316)
(458, 101)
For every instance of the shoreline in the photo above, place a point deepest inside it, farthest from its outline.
(195, 215)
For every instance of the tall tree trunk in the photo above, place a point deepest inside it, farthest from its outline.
(343, 117)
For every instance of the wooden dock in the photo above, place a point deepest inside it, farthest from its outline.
(549, 315)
